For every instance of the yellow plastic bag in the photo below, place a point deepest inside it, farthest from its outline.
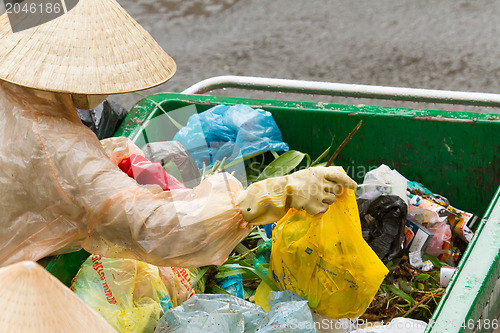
(325, 259)
(131, 295)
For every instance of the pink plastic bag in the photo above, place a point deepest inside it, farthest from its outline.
(440, 242)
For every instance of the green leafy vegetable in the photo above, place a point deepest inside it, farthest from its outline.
(402, 294)
(282, 165)
(422, 277)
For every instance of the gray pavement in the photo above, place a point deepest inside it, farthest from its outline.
(446, 44)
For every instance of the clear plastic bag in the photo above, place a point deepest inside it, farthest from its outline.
(227, 313)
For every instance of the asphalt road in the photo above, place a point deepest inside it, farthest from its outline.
(446, 44)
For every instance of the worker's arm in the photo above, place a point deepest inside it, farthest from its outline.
(184, 228)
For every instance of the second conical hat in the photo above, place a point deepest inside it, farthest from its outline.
(96, 48)
(32, 300)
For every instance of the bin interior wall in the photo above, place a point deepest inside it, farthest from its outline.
(455, 154)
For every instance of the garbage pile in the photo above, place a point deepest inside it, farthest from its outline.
(386, 250)
(418, 235)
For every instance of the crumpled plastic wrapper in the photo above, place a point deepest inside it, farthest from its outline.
(175, 159)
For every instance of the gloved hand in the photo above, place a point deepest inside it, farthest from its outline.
(312, 189)
(119, 148)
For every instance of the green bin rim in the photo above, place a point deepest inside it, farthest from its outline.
(449, 316)
(146, 108)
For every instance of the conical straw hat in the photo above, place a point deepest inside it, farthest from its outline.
(94, 49)
(32, 300)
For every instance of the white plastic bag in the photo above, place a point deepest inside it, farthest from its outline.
(384, 176)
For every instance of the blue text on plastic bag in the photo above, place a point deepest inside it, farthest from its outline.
(230, 131)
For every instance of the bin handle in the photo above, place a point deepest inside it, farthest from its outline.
(344, 89)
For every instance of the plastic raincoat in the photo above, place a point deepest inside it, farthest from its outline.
(59, 191)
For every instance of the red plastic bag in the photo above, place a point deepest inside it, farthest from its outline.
(146, 172)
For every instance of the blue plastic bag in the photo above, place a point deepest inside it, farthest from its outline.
(263, 256)
(230, 131)
(229, 314)
(269, 229)
(233, 284)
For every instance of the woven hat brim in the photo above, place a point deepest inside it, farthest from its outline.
(94, 49)
(35, 301)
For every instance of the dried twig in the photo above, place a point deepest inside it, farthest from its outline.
(344, 143)
(426, 298)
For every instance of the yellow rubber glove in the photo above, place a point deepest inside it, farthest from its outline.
(312, 189)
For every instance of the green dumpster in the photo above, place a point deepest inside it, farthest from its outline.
(456, 154)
